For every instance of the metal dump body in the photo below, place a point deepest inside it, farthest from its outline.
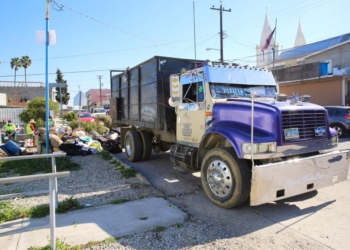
(140, 95)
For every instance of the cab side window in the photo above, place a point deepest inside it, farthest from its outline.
(193, 92)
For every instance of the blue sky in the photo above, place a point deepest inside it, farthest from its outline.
(96, 36)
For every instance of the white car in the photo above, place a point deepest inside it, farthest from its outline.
(96, 112)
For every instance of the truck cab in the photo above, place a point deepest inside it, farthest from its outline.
(232, 119)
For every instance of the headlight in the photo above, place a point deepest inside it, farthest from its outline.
(259, 148)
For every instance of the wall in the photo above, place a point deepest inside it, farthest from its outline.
(324, 92)
(339, 56)
(29, 93)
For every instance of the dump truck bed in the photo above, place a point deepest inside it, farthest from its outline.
(140, 95)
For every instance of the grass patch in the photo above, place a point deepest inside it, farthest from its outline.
(68, 205)
(128, 172)
(118, 201)
(120, 167)
(60, 245)
(110, 240)
(9, 212)
(159, 229)
(104, 154)
(33, 166)
(92, 244)
(39, 211)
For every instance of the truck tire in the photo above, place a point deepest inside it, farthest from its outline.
(146, 145)
(225, 178)
(133, 146)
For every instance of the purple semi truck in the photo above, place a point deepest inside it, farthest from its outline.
(248, 141)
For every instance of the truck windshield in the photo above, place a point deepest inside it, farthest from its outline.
(222, 90)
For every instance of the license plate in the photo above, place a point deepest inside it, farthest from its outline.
(291, 133)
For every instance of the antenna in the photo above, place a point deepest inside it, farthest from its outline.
(194, 31)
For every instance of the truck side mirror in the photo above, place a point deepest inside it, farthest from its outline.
(174, 90)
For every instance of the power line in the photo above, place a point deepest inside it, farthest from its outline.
(106, 24)
(72, 72)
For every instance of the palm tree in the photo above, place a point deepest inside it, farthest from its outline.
(15, 63)
(25, 62)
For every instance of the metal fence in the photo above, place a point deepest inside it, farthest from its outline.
(11, 113)
(53, 191)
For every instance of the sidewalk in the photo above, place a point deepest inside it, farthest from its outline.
(91, 224)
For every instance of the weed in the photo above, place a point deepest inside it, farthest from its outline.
(118, 201)
(143, 218)
(39, 211)
(91, 244)
(159, 229)
(120, 167)
(68, 205)
(105, 155)
(178, 225)
(33, 166)
(9, 212)
(110, 240)
(128, 172)
(60, 245)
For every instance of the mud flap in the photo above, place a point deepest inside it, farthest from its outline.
(275, 181)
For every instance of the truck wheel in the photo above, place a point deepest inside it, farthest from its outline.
(225, 178)
(146, 145)
(133, 146)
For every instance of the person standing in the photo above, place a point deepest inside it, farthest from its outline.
(51, 122)
(10, 130)
(30, 129)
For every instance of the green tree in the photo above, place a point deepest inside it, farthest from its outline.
(36, 110)
(61, 91)
(15, 64)
(25, 62)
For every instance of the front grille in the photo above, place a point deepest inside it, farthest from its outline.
(305, 120)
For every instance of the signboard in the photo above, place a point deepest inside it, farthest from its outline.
(57, 85)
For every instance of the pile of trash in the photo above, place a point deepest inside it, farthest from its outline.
(13, 148)
(79, 142)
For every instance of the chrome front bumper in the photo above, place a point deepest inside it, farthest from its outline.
(276, 181)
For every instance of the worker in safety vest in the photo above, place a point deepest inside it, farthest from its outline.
(51, 122)
(10, 130)
(30, 129)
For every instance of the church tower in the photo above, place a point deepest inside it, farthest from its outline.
(299, 39)
(266, 58)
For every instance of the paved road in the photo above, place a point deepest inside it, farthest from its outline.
(317, 220)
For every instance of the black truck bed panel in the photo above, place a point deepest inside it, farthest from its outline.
(140, 95)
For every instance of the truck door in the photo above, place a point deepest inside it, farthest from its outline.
(190, 123)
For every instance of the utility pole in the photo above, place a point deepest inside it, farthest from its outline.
(79, 112)
(221, 32)
(99, 77)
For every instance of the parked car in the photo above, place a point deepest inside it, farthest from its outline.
(81, 110)
(85, 117)
(339, 119)
(98, 111)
